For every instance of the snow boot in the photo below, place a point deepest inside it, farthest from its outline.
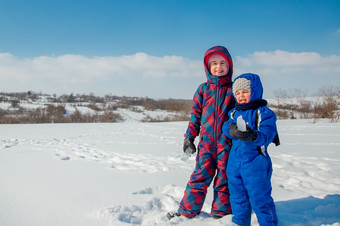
(173, 214)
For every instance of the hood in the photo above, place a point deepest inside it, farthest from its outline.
(255, 85)
(223, 52)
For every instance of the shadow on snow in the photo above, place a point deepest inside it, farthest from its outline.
(309, 211)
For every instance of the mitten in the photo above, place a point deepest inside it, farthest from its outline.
(189, 143)
(249, 135)
(233, 129)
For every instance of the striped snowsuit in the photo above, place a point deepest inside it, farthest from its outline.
(211, 103)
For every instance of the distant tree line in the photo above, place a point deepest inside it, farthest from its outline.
(52, 108)
(290, 104)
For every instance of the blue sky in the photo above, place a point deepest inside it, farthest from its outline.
(155, 48)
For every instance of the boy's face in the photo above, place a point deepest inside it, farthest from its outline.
(219, 67)
(242, 96)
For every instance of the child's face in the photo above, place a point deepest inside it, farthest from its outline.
(242, 96)
(219, 67)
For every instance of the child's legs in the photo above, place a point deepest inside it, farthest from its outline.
(259, 189)
(221, 203)
(195, 192)
(238, 197)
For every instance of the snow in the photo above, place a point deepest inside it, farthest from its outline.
(131, 174)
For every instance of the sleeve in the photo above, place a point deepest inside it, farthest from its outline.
(195, 121)
(267, 127)
(225, 127)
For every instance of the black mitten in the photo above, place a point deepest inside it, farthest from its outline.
(249, 135)
(233, 129)
(189, 143)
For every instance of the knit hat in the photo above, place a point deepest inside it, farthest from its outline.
(241, 83)
(216, 57)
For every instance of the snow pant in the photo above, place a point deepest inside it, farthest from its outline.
(250, 188)
(208, 163)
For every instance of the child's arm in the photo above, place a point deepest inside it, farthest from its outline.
(264, 135)
(226, 128)
(267, 128)
(196, 113)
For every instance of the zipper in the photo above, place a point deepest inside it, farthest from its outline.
(216, 110)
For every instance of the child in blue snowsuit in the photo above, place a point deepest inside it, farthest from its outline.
(249, 167)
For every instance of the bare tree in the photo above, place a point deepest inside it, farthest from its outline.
(328, 106)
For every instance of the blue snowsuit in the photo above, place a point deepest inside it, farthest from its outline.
(249, 167)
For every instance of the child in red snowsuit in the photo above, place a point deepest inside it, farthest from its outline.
(211, 104)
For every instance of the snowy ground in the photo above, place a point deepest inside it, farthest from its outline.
(131, 174)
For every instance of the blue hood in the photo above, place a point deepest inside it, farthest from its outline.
(256, 85)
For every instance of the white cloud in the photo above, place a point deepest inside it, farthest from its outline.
(279, 69)
(168, 76)
(283, 62)
(78, 66)
(67, 71)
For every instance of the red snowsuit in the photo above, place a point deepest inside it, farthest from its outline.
(211, 104)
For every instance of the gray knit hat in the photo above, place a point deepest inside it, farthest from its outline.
(241, 83)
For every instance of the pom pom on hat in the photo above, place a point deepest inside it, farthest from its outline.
(241, 83)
